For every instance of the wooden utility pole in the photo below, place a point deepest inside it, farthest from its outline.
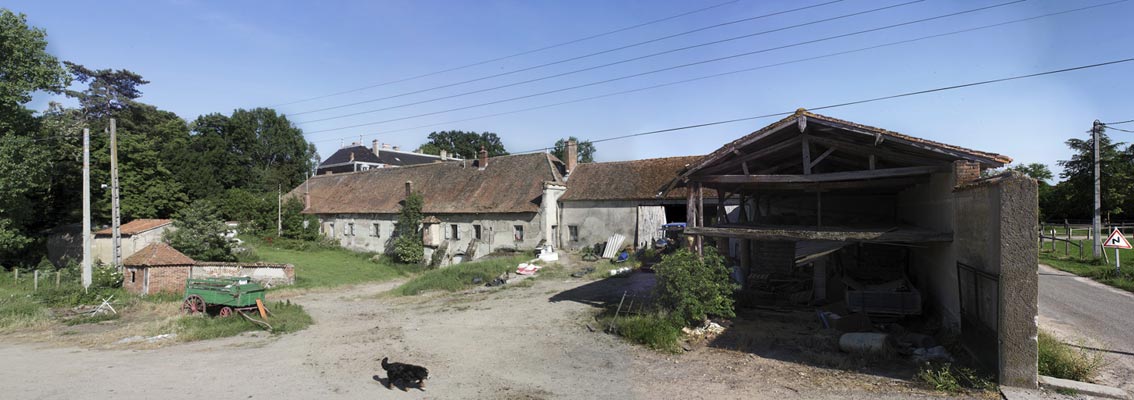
(115, 216)
(86, 273)
(1096, 220)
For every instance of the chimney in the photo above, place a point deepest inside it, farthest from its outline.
(572, 155)
(385, 145)
(374, 145)
(444, 155)
(966, 171)
(483, 158)
(409, 188)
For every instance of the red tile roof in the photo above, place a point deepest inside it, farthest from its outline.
(137, 226)
(157, 255)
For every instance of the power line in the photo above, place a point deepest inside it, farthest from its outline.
(1119, 122)
(1118, 129)
(750, 69)
(478, 63)
(629, 76)
(575, 58)
(856, 102)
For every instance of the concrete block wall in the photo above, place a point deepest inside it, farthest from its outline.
(997, 232)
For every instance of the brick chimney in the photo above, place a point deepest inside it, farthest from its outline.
(374, 145)
(483, 158)
(966, 171)
(572, 155)
(409, 188)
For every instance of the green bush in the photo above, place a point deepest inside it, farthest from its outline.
(1062, 361)
(658, 331)
(408, 247)
(694, 288)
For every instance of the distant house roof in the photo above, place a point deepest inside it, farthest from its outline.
(384, 156)
(136, 226)
(508, 184)
(627, 180)
(156, 255)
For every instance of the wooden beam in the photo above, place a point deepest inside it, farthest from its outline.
(733, 163)
(935, 148)
(873, 161)
(797, 233)
(755, 136)
(877, 151)
(822, 156)
(827, 177)
(806, 155)
(744, 167)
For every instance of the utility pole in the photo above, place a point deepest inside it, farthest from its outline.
(1096, 221)
(279, 210)
(115, 216)
(86, 208)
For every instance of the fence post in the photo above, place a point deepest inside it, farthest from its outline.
(35, 280)
(1080, 250)
(57, 279)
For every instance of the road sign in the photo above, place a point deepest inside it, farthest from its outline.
(1117, 241)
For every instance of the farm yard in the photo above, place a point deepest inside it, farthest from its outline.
(523, 341)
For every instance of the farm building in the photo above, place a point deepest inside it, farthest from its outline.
(891, 224)
(158, 267)
(623, 197)
(357, 157)
(135, 235)
(473, 207)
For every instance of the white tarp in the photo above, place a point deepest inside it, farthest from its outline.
(650, 220)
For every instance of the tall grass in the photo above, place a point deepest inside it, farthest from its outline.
(285, 318)
(1060, 360)
(460, 276)
(657, 331)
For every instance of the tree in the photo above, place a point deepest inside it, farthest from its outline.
(25, 64)
(693, 288)
(1117, 177)
(200, 234)
(297, 225)
(584, 150)
(108, 90)
(1036, 171)
(408, 246)
(464, 144)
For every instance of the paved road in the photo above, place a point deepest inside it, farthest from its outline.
(1092, 315)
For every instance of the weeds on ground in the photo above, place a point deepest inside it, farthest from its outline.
(459, 277)
(658, 330)
(285, 318)
(1060, 360)
(949, 378)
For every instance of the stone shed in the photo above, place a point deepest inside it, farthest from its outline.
(135, 235)
(892, 225)
(159, 267)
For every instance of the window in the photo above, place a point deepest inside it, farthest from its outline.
(476, 232)
(375, 230)
(331, 229)
(454, 232)
(518, 232)
(349, 230)
(573, 232)
(132, 276)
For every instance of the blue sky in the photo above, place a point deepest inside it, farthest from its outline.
(205, 57)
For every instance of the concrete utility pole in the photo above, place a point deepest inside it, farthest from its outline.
(86, 209)
(115, 216)
(1096, 220)
(279, 210)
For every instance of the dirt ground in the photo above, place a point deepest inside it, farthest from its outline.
(529, 342)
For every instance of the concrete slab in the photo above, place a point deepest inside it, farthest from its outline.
(1083, 388)
(1015, 393)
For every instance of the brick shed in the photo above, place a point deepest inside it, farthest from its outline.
(158, 267)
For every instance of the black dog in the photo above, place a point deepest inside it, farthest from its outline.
(404, 373)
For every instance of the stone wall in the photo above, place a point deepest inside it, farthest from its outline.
(171, 279)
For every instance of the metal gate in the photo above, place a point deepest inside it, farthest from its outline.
(980, 315)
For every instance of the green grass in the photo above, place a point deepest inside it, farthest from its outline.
(656, 331)
(949, 378)
(1099, 270)
(327, 266)
(459, 277)
(1063, 361)
(285, 318)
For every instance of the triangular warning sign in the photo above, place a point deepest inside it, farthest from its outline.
(1116, 241)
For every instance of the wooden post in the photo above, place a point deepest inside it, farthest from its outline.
(722, 218)
(690, 213)
(700, 217)
(35, 280)
(57, 279)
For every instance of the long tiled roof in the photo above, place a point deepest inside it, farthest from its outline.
(508, 184)
(627, 180)
(384, 156)
(137, 226)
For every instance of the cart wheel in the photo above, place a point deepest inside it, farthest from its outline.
(225, 311)
(193, 304)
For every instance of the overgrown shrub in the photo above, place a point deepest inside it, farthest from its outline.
(657, 331)
(693, 288)
(200, 234)
(408, 247)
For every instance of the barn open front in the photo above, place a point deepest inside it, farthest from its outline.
(865, 230)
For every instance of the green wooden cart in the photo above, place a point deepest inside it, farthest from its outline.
(221, 296)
